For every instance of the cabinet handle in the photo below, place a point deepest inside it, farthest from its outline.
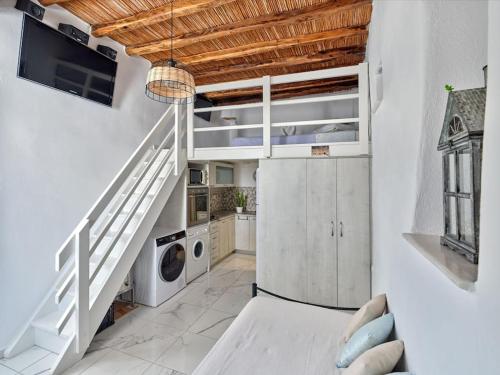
(341, 229)
(333, 229)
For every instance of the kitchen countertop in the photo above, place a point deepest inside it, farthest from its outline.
(218, 215)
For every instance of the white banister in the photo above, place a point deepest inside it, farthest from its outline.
(82, 244)
(120, 178)
(132, 212)
(177, 142)
(266, 115)
(114, 215)
(190, 129)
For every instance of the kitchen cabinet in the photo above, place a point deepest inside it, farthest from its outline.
(245, 232)
(220, 174)
(221, 238)
(314, 235)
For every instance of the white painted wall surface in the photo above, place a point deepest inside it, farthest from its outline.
(423, 45)
(58, 152)
(243, 173)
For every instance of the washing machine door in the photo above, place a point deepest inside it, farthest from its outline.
(198, 249)
(172, 262)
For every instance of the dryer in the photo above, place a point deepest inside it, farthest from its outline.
(160, 269)
(198, 251)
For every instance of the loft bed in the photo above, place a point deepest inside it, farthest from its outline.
(333, 124)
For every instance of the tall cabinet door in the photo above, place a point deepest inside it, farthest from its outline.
(321, 231)
(282, 257)
(353, 223)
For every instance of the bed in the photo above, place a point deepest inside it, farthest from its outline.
(329, 137)
(272, 336)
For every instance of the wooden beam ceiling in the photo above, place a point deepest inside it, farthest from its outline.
(156, 15)
(220, 71)
(316, 11)
(263, 46)
(225, 40)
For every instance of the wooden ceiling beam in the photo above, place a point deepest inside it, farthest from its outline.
(272, 45)
(156, 15)
(266, 46)
(319, 57)
(328, 9)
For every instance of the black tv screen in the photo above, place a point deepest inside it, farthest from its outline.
(53, 59)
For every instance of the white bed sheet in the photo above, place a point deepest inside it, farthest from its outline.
(277, 337)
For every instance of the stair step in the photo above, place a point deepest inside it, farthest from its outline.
(48, 323)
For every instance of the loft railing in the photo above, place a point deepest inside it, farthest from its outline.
(267, 149)
(82, 243)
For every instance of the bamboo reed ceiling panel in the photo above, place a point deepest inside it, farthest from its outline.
(225, 40)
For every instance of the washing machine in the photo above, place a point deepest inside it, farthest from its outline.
(198, 251)
(160, 269)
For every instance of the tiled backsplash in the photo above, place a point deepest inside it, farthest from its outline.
(223, 198)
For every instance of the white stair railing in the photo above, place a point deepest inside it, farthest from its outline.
(80, 246)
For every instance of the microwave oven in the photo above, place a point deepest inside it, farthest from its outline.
(196, 176)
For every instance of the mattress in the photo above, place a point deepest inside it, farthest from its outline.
(272, 336)
(339, 136)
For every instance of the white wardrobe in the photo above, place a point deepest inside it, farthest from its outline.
(313, 241)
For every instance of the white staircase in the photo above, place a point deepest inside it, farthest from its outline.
(94, 261)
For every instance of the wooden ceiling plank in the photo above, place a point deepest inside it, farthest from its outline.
(156, 15)
(263, 46)
(318, 57)
(328, 9)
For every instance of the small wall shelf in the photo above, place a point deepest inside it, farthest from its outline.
(454, 266)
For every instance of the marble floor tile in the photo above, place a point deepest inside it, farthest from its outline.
(241, 287)
(177, 334)
(114, 362)
(6, 371)
(148, 345)
(179, 315)
(146, 341)
(212, 324)
(186, 353)
(88, 360)
(247, 276)
(25, 359)
(231, 303)
(203, 295)
(160, 370)
(42, 366)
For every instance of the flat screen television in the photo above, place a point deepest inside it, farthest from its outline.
(53, 59)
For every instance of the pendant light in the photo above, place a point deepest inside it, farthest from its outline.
(168, 81)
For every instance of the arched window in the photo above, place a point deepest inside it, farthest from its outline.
(455, 126)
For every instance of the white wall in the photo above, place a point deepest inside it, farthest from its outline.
(57, 154)
(243, 173)
(423, 45)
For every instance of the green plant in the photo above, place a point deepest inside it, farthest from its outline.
(241, 199)
(449, 87)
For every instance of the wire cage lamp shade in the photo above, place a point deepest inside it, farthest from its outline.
(168, 82)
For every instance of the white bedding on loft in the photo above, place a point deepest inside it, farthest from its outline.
(272, 336)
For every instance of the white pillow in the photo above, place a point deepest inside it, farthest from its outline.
(371, 310)
(379, 360)
(289, 130)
